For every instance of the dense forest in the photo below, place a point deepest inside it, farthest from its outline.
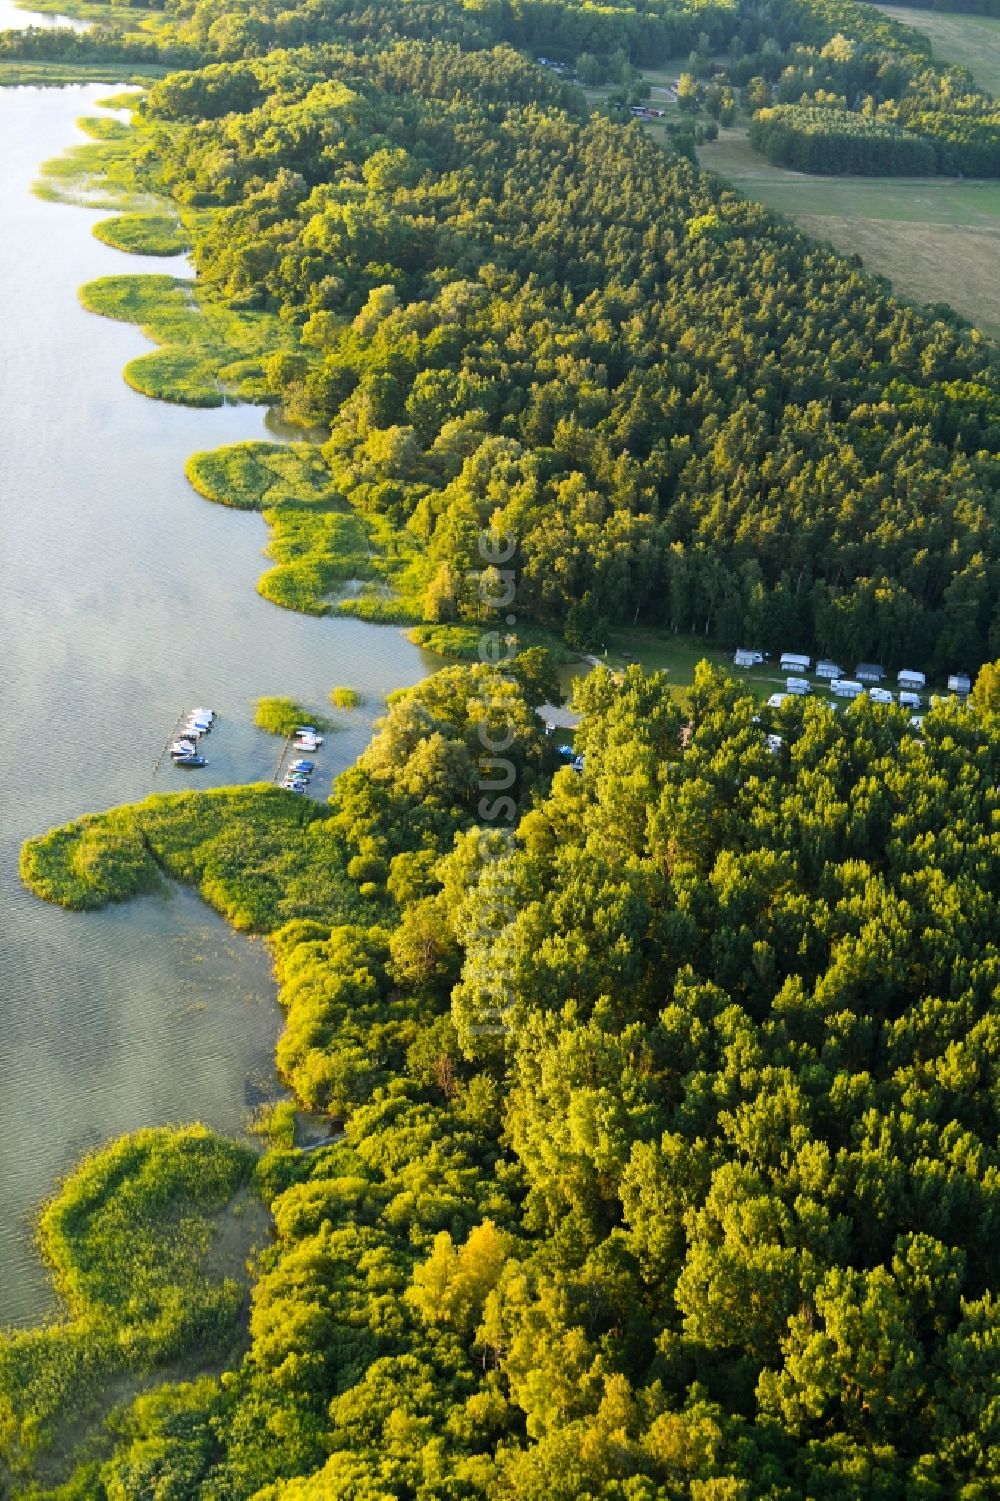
(667, 1157)
(662, 1088)
(811, 139)
(510, 312)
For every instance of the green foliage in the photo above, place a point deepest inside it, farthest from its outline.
(690, 1179)
(129, 1239)
(282, 716)
(144, 234)
(257, 854)
(834, 140)
(208, 352)
(320, 545)
(346, 698)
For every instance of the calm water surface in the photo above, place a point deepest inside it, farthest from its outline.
(12, 18)
(123, 597)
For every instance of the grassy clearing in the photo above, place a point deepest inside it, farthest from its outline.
(327, 558)
(144, 234)
(52, 74)
(129, 1240)
(257, 854)
(209, 354)
(282, 716)
(971, 41)
(936, 239)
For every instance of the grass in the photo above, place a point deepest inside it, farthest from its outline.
(52, 74)
(257, 854)
(936, 239)
(209, 353)
(129, 1240)
(328, 559)
(461, 643)
(144, 234)
(282, 716)
(100, 172)
(971, 41)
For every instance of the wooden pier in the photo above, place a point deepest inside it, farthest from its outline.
(169, 740)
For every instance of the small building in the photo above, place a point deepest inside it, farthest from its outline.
(829, 670)
(869, 672)
(790, 662)
(798, 686)
(846, 688)
(907, 678)
(959, 682)
(745, 658)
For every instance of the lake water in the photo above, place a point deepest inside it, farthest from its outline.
(12, 18)
(123, 597)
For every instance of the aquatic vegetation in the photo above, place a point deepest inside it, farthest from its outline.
(144, 234)
(346, 698)
(129, 1239)
(210, 353)
(281, 716)
(328, 558)
(259, 476)
(257, 854)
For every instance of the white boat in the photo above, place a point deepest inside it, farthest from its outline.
(183, 748)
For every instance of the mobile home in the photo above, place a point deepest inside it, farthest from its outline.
(799, 686)
(959, 682)
(746, 658)
(869, 672)
(907, 678)
(792, 663)
(846, 688)
(829, 670)
(909, 700)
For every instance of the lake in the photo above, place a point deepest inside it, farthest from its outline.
(123, 598)
(12, 18)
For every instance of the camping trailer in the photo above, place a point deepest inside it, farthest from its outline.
(746, 658)
(869, 672)
(846, 688)
(799, 686)
(790, 662)
(829, 670)
(907, 678)
(908, 700)
(959, 682)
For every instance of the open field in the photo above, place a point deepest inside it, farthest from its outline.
(936, 239)
(972, 41)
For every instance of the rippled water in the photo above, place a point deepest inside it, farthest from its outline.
(123, 597)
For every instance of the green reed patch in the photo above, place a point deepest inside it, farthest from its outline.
(328, 558)
(258, 854)
(129, 1240)
(282, 716)
(209, 354)
(144, 234)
